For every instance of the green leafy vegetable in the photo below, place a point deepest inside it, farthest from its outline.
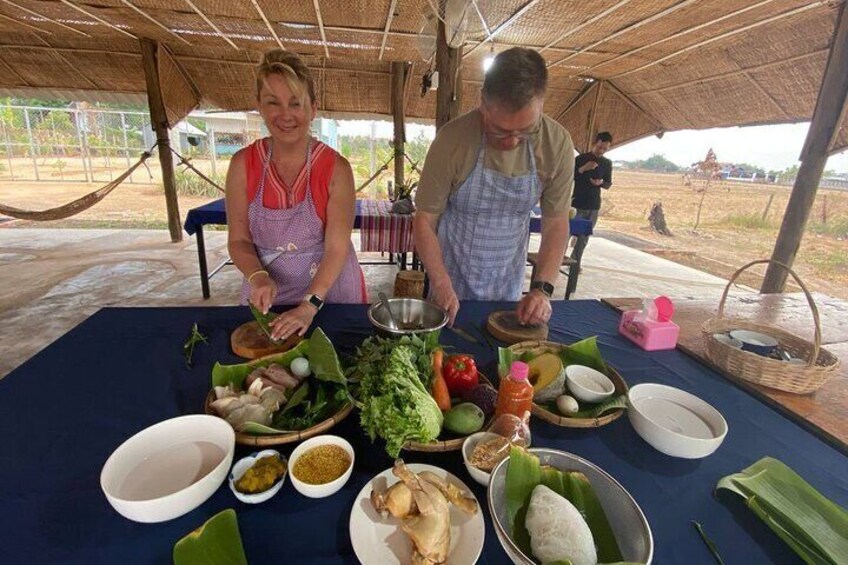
(395, 403)
(525, 473)
(813, 526)
(264, 321)
(372, 353)
(193, 339)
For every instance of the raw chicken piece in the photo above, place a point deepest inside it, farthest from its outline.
(397, 501)
(430, 529)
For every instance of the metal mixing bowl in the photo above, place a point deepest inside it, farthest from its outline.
(628, 523)
(412, 315)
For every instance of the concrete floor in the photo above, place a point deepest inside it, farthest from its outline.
(51, 280)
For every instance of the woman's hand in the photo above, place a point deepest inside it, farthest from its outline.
(263, 291)
(297, 320)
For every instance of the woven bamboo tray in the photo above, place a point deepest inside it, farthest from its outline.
(453, 444)
(539, 347)
(773, 373)
(260, 440)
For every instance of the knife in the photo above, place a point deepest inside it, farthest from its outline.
(464, 335)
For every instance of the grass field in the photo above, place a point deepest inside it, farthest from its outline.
(732, 228)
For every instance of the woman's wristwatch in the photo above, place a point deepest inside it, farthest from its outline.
(314, 300)
(544, 286)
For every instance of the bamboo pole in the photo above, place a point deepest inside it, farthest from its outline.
(448, 94)
(832, 98)
(398, 82)
(159, 122)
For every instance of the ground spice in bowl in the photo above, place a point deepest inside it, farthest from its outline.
(321, 464)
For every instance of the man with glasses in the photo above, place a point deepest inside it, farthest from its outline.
(484, 174)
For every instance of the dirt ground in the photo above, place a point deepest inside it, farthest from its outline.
(731, 229)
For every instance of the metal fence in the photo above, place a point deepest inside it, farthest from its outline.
(70, 144)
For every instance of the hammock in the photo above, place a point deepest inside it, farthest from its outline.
(78, 205)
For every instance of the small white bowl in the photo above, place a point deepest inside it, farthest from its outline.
(168, 469)
(675, 422)
(468, 446)
(727, 340)
(587, 384)
(245, 463)
(320, 491)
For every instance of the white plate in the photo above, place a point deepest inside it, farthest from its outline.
(380, 541)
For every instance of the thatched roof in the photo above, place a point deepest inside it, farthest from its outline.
(647, 66)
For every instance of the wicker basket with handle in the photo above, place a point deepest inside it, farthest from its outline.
(765, 371)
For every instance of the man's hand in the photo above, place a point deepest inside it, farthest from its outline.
(534, 308)
(596, 182)
(588, 166)
(443, 295)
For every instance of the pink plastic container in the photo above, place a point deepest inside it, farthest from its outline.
(651, 334)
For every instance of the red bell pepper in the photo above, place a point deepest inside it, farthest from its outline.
(460, 372)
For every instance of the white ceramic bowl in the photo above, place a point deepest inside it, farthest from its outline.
(468, 446)
(675, 422)
(245, 463)
(587, 384)
(320, 491)
(168, 469)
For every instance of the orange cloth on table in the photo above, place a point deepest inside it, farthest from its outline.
(323, 164)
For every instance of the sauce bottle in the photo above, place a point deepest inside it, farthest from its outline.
(515, 393)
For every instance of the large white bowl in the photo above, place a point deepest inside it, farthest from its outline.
(675, 422)
(168, 469)
(626, 519)
(320, 491)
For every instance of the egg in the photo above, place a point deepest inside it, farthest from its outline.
(300, 368)
(567, 405)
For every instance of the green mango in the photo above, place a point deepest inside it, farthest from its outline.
(464, 419)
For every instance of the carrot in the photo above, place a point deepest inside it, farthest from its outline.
(439, 390)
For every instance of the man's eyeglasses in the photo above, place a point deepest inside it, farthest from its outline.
(499, 134)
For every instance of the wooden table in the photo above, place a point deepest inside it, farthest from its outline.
(825, 411)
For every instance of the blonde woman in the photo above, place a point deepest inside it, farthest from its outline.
(290, 205)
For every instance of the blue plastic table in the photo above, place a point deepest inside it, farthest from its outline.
(63, 412)
(215, 213)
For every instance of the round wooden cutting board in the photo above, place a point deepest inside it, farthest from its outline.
(250, 342)
(504, 325)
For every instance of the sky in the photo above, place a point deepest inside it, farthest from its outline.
(773, 147)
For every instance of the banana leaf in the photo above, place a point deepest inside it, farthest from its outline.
(812, 525)
(584, 352)
(216, 542)
(222, 375)
(593, 410)
(264, 321)
(525, 473)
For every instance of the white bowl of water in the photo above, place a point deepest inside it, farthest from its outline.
(168, 469)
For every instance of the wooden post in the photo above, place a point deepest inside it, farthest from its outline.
(398, 82)
(449, 92)
(591, 137)
(833, 95)
(159, 122)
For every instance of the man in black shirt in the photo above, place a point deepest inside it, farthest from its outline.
(592, 172)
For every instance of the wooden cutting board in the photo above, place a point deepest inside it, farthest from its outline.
(504, 325)
(250, 342)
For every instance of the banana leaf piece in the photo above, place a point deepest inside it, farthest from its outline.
(216, 542)
(813, 526)
(586, 353)
(222, 375)
(264, 321)
(525, 472)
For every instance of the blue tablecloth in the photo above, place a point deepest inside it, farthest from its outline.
(215, 213)
(64, 411)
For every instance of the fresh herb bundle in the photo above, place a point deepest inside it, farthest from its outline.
(193, 339)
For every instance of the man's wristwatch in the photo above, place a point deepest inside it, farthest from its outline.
(314, 300)
(546, 287)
